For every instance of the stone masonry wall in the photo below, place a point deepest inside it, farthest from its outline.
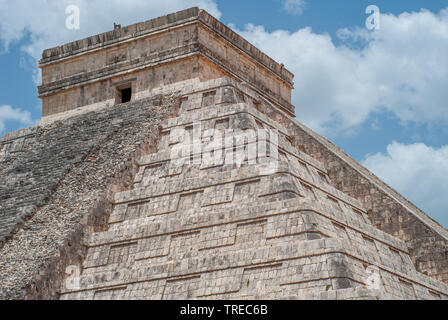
(153, 54)
(63, 181)
(429, 248)
(226, 231)
(93, 185)
(389, 211)
(138, 228)
(105, 90)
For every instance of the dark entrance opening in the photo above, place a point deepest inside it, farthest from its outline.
(126, 95)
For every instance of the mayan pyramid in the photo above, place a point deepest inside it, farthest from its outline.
(169, 164)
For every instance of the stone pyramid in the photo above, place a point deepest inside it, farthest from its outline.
(203, 186)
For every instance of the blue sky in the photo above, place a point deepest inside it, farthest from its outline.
(378, 94)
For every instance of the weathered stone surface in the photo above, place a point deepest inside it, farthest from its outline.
(66, 175)
(96, 186)
(89, 71)
(235, 233)
(389, 211)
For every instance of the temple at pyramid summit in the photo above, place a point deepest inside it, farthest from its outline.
(169, 163)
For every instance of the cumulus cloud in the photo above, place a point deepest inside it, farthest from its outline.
(43, 22)
(294, 6)
(401, 68)
(8, 113)
(417, 171)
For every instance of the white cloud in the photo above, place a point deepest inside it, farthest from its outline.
(294, 6)
(417, 171)
(8, 113)
(44, 21)
(401, 68)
